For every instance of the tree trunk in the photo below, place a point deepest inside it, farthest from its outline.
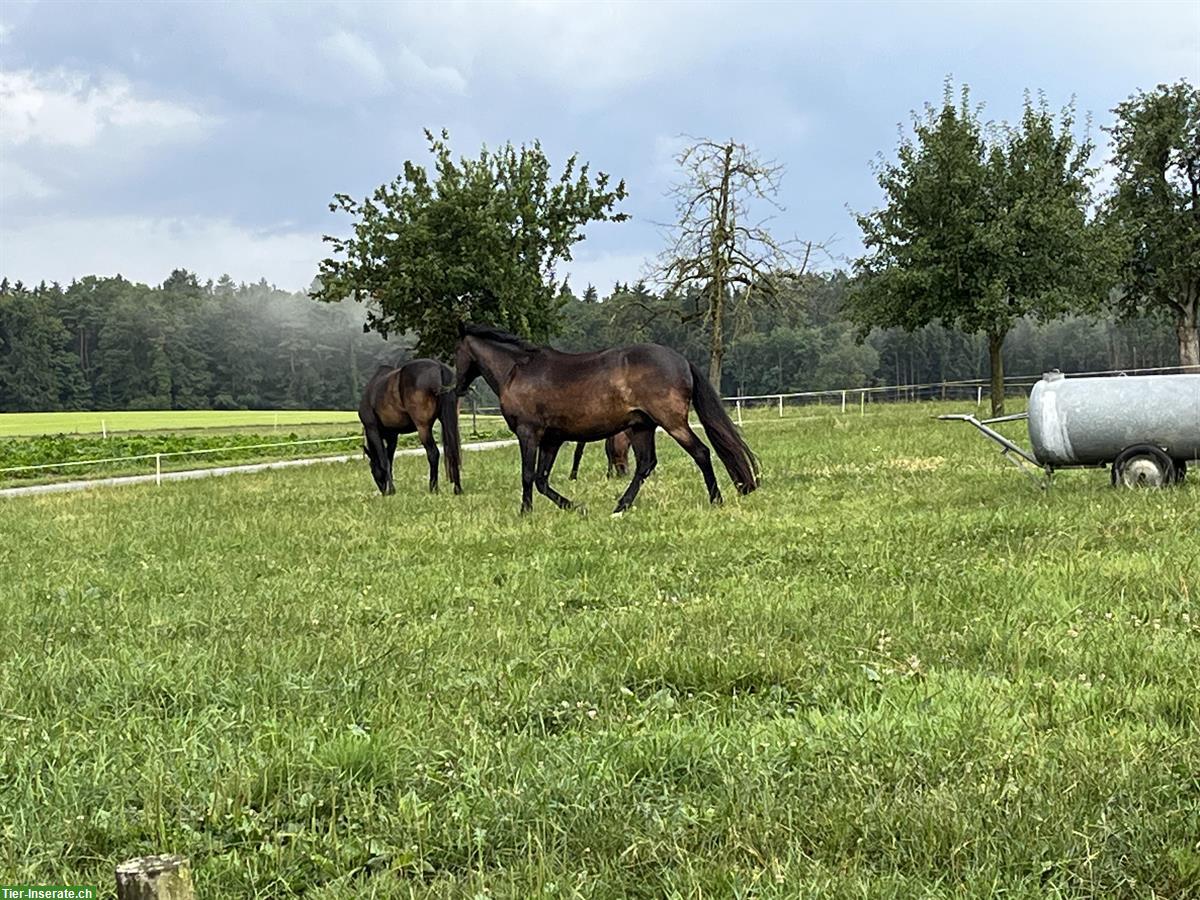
(716, 346)
(155, 878)
(996, 358)
(1189, 337)
(719, 253)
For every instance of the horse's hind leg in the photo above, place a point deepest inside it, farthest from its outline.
(642, 441)
(575, 462)
(425, 433)
(699, 452)
(547, 452)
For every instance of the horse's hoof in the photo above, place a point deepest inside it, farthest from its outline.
(457, 489)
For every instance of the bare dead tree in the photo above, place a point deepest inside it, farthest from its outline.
(723, 259)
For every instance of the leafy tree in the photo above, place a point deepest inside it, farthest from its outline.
(981, 229)
(479, 239)
(1155, 207)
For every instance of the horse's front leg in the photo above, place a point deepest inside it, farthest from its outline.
(547, 452)
(529, 458)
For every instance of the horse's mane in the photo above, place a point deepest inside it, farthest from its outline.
(501, 337)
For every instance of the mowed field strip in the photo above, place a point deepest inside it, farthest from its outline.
(76, 422)
(898, 669)
(32, 424)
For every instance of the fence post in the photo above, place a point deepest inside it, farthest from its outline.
(474, 424)
(862, 403)
(155, 878)
(158, 469)
(781, 406)
(979, 396)
(103, 429)
(739, 411)
(843, 401)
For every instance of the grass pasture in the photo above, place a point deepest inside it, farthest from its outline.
(897, 670)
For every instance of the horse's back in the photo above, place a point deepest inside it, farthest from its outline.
(395, 396)
(425, 375)
(648, 358)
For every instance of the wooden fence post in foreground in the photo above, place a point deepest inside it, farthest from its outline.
(155, 878)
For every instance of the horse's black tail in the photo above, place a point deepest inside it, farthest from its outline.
(448, 416)
(740, 462)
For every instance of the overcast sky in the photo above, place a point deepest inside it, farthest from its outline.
(145, 137)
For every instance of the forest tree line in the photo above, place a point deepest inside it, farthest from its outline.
(109, 343)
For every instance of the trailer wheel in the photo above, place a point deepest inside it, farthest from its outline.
(1143, 465)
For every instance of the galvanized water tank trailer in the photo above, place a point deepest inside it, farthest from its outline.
(1129, 421)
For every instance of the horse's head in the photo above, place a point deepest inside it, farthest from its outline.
(466, 366)
(378, 469)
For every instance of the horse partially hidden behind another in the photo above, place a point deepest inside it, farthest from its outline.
(548, 397)
(616, 450)
(403, 400)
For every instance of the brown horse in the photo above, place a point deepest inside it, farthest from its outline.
(548, 397)
(403, 400)
(616, 450)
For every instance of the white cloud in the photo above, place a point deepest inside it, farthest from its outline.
(68, 109)
(351, 52)
(583, 49)
(18, 183)
(144, 249)
(416, 72)
(61, 131)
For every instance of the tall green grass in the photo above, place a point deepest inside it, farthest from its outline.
(897, 670)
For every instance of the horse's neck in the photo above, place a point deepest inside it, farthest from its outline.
(496, 364)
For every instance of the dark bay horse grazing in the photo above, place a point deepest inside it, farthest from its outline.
(403, 400)
(616, 450)
(548, 397)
